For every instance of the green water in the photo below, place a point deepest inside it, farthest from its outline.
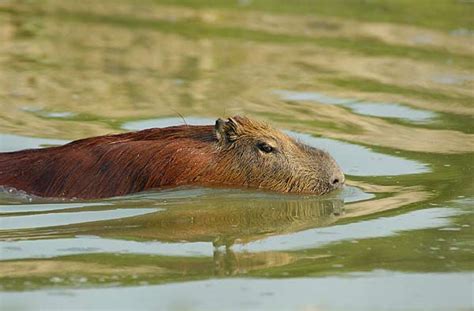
(386, 86)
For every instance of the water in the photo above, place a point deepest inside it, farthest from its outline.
(363, 291)
(389, 93)
(387, 110)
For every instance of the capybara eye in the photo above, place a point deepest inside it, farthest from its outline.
(265, 147)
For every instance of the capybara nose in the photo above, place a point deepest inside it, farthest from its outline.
(337, 180)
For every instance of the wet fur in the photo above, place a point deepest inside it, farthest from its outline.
(115, 165)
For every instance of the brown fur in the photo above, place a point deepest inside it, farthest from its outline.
(228, 154)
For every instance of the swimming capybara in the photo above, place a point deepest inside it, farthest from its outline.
(237, 152)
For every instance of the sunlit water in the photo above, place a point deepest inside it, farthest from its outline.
(393, 103)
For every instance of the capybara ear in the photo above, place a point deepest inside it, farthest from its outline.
(226, 131)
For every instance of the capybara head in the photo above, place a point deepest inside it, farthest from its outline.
(257, 155)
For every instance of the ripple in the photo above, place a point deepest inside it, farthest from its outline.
(376, 109)
(353, 194)
(22, 208)
(390, 110)
(452, 79)
(49, 114)
(86, 245)
(380, 227)
(61, 219)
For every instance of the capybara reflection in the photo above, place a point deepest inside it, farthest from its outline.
(237, 152)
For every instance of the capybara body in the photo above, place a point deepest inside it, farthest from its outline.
(237, 152)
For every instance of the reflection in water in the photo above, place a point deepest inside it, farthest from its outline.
(194, 224)
(212, 233)
(216, 218)
(224, 221)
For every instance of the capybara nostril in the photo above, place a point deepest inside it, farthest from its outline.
(337, 180)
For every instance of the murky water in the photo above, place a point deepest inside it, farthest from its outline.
(388, 92)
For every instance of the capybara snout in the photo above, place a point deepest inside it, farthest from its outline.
(236, 152)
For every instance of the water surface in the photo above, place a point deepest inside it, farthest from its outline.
(385, 86)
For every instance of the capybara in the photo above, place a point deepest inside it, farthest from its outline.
(237, 152)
